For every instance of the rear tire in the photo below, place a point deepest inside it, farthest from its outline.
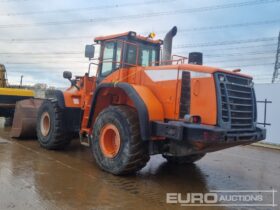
(184, 159)
(116, 145)
(50, 127)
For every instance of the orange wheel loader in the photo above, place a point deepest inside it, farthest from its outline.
(144, 101)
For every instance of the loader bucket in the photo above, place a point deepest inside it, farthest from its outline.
(24, 122)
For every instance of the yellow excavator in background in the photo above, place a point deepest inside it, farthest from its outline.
(3, 76)
(9, 95)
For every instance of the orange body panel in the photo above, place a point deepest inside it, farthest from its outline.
(162, 87)
(153, 104)
(165, 91)
(78, 98)
(72, 97)
(208, 69)
(203, 100)
(132, 76)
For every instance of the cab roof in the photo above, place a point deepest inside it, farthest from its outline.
(128, 34)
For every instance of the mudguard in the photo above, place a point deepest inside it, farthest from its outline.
(146, 104)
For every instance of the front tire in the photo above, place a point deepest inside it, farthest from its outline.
(50, 127)
(116, 145)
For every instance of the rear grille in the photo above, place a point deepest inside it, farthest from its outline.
(236, 102)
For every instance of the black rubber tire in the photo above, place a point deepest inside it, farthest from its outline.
(183, 160)
(133, 153)
(58, 137)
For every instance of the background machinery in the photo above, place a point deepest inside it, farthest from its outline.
(10, 95)
(144, 101)
(3, 76)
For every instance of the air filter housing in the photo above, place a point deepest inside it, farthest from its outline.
(196, 58)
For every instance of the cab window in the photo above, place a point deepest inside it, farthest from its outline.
(111, 58)
(131, 54)
(147, 56)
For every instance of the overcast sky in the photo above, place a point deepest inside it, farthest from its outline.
(34, 35)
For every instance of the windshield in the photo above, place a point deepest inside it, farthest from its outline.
(134, 53)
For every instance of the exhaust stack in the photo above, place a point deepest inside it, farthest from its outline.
(167, 46)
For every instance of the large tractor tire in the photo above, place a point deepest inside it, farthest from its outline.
(184, 159)
(116, 144)
(50, 127)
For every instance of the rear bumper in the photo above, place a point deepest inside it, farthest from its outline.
(185, 138)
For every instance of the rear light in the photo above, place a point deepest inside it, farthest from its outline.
(192, 119)
(196, 119)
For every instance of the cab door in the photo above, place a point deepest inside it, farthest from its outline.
(110, 60)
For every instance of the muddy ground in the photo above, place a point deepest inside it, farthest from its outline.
(34, 178)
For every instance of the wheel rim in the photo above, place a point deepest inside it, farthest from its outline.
(110, 140)
(45, 124)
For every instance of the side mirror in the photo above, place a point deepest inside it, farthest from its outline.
(67, 75)
(89, 51)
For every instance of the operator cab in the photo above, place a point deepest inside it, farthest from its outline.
(125, 50)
